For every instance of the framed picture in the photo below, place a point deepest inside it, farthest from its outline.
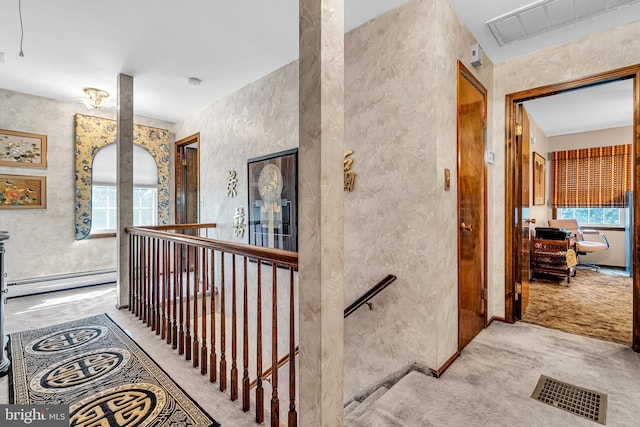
(23, 149)
(23, 192)
(538, 179)
(273, 200)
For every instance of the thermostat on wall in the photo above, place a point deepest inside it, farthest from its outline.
(476, 55)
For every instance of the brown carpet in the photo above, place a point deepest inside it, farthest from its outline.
(596, 304)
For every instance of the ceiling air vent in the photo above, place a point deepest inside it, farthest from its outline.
(547, 15)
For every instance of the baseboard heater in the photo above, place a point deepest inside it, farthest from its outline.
(60, 282)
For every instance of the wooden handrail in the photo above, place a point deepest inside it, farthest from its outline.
(278, 256)
(364, 299)
(283, 361)
(180, 226)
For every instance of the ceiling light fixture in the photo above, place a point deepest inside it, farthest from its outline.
(194, 81)
(96, 96)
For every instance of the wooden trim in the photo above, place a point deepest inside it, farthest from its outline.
(177, 167)
(43, 149)
(512, 184)
(180, 226)
(438, 372)
(636, 210)
(277, 256)
(496, 319)
(101, 235)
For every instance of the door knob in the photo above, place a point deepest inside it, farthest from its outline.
(530, 221)
(465, 227)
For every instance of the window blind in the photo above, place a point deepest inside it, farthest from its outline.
(591, 177)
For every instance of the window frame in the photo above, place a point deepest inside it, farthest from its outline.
(111, 232)
(619, 225)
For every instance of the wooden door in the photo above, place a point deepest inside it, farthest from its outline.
(187, 174)
(191, 185)
(471, 207)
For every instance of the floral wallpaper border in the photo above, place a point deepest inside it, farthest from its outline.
(94, 133)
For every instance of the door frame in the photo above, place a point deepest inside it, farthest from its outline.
(513, 183)
(177, 172)
(464, 72)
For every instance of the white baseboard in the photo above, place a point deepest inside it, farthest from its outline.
(41, 285)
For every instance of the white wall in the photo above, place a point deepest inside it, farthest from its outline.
(596, 138)
(541, 213)
(42, 242)
(590, 55)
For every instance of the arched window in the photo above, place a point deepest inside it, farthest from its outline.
(104, 201)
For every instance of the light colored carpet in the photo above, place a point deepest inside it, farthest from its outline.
(596, 304)
(491, 383)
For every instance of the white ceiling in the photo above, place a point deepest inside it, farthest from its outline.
(597, 107)
(475, 14)
(71, 44)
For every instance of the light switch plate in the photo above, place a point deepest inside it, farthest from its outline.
(447, 180)
(491, 158)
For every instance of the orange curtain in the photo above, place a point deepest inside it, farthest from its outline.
(591, 177)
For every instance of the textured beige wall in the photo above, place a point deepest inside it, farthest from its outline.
(42, 241)
(400, 83)
(590, 55)
(260, 119)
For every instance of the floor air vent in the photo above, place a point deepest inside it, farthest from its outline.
(585, 403)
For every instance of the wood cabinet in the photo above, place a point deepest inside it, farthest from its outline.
(550, 257)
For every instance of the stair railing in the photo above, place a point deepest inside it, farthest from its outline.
(367, 296)
(365, 299)
(173, 280)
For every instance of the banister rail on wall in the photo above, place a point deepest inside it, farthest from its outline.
(173, 278)
(366, 297)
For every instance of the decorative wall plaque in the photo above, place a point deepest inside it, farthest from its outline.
(232, 181)
(238, 222)
(349, 175)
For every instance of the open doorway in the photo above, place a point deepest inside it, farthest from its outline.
(565, 135)
(515, 215)
(187, 180)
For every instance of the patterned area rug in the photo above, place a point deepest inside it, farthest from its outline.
(596, 304)
(105, 377)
